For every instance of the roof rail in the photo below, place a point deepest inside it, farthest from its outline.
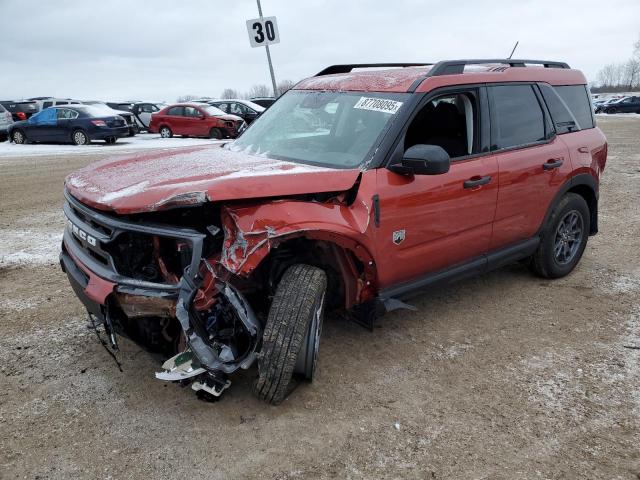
(346, 68)
(453, 67)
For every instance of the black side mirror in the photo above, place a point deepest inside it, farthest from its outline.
(423, 160)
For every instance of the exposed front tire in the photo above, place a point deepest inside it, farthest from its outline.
(291, 336)
(564, 238)
(79, 137)
(215, 134)
(18, 137)
(165, 132)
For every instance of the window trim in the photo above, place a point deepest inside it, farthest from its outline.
(396, 151)
(492, 115)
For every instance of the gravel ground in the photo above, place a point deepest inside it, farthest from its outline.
(505, 376)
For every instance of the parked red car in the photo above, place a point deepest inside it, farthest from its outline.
(195, 120)
(352, 192)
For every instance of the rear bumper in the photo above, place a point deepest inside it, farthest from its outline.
(102, 133)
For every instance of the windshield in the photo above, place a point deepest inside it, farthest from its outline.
(334, 129)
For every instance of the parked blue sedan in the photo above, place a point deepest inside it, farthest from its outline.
(77, 124)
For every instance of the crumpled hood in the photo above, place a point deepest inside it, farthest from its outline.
(155, 181)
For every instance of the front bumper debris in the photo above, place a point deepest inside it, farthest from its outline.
(89, 242)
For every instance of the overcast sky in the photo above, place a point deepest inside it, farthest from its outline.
(160, 49)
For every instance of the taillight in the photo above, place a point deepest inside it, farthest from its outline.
(600, 156)
(21, 115)
(99, 123)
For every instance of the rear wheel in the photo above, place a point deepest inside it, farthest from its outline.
(215, 134)
(18, 137)
(79, 137)
(165, 132)
(291, 336)
(564, 238)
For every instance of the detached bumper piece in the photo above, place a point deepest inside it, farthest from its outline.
(108, 274)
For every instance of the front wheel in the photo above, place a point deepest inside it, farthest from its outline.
(564, 238)
(165, 132)
(291, 336)
(80, 138)
(215, 134)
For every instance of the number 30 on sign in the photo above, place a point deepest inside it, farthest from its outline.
(263, 31)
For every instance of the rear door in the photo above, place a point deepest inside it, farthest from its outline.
(176, 120)
(533, 163)
(66, 117)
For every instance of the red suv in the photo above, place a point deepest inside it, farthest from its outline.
(352, 192)
(195, 120)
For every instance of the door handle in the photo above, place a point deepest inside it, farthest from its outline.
(583, 150)
(553, 163)
(476, 181)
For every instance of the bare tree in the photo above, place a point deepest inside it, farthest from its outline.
(259, 91)
(187, 98)
(283, 86)
(632, 73)
(229, 93)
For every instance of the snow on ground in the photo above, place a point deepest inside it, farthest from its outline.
(143, 141)
(618, 115)
(28, 247)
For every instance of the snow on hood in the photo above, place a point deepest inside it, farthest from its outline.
(154, 181)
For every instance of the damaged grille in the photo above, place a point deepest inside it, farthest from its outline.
(137, 253)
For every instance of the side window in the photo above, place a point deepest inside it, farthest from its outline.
(46, 105)
(563, 119)
(66, 114)
(449, 121)
(175, 111)
(223, 106)
(238, 109)
(517, 116)
(192, 112)
(576, 98)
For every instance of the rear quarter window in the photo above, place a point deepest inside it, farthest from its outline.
(562, 117)
(577, 99)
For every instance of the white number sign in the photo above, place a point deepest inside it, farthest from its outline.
(263, 31)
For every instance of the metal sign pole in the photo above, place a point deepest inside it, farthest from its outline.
(273, 76)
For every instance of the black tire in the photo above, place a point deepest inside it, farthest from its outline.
(18, 137)
(292, 331)
(165, 132)
(612, 110)
(80, 137)
(557, 254)
(215, 134)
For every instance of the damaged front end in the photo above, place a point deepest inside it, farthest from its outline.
(154, 284)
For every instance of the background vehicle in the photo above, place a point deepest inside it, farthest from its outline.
(622, 105)
(126, 114)
(77, 124)
(142, 112)
(20, 109)
(265, 102)
(5, 122)
(244, 109)
(54, 102)
(195, 120)
(352, 192)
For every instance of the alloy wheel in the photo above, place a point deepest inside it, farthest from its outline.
(568, 237)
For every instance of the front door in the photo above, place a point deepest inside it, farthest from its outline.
(431, 222)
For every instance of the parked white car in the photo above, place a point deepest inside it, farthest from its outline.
(54, 102)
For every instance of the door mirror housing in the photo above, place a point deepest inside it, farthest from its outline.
(423, 160)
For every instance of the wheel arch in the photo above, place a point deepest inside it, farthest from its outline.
(586, 186)
(262, 253)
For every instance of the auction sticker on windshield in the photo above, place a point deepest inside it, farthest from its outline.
(378, 105)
